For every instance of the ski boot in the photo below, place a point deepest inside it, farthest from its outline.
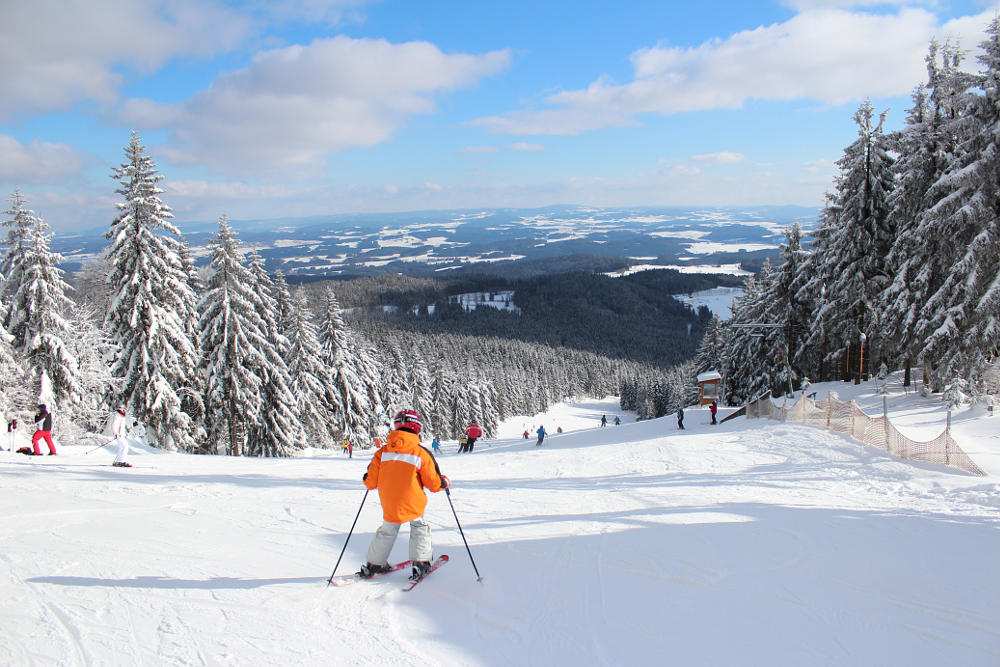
(369, 570)
(420, 568)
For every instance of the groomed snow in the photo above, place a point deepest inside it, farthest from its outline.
(745, 543)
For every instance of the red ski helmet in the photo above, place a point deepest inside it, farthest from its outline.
(408, 420)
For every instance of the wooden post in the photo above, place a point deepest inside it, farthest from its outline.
(885, 422)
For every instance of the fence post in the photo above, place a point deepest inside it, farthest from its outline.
(885, 422)
(829, 409)
(947, 440)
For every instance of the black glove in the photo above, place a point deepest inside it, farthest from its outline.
(445, 482)
(365, 478)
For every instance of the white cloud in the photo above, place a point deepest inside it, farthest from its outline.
(36, 162)
(722, 157)
(293, 106)
(526, 147)
(479, 149)
(56, 53)
(830, 55)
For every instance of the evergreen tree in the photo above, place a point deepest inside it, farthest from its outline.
(20, 222)
(316, 401)
(277, 431)
(151, 299)
(346, 360)
(923, 147)
(960, 322)
(862, 238)
(38, 311)
(232, 341)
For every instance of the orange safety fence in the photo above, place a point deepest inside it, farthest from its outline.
(848, 418)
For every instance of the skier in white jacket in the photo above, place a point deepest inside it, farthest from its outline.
(116, 425)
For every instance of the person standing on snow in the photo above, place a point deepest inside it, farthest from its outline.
(401, 470)
(473, 433)
(541, 435)
(680, 418)
(713, 408)
(116, 428)
(463, 443)
(604, 421)
(43, 431)
(436, 445)
(526, 434)
(350, 449)
(618, 420)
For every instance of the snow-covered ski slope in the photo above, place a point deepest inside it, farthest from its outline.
(760, 543)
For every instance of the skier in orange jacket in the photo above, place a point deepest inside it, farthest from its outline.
(401, 470)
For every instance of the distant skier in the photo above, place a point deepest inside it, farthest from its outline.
(436, 445)
(474, 432)
(43, 431)
(350, 449)
(116, 429)
(680, 418)
(526, 434)
(401, 470)
(618, 421)
(713, 408)
(11, 433)
(604, 421)
(541, 435)
(559, 429)
(463, 443)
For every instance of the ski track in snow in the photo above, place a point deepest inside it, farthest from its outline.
(745, 543)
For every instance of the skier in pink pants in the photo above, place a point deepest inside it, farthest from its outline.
(43, 431)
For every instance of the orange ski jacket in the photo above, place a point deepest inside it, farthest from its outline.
(401, 470)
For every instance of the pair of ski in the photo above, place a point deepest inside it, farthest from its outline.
(352, 578)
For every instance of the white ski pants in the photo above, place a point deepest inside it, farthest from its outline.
(121, 449)
(385, 537)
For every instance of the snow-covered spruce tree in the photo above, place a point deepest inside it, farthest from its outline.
(751, 352)
(38, 310)
(232, 342)
(19, 223)
(151, 298)
(960, 322)
(786, 307)
(278, 430)
(317, 403)
(815, 353)
(924, 147)
(863, 237)
(351, 365)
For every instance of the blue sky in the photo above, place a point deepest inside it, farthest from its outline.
(302, 107)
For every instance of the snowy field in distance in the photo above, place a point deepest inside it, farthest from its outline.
(745, 543)
(718, 299)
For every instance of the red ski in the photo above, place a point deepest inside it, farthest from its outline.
(349, 579)
(435, 565)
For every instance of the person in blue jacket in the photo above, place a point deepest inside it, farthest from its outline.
(541, 435)
(436, 445)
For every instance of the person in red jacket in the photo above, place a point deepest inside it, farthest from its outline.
(401, 470)
(473, 433)
(713, 408)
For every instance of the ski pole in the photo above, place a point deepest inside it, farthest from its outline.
(99, 447)
(329, 581)
(479, 577)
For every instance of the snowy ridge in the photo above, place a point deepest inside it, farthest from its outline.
(747, 542)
